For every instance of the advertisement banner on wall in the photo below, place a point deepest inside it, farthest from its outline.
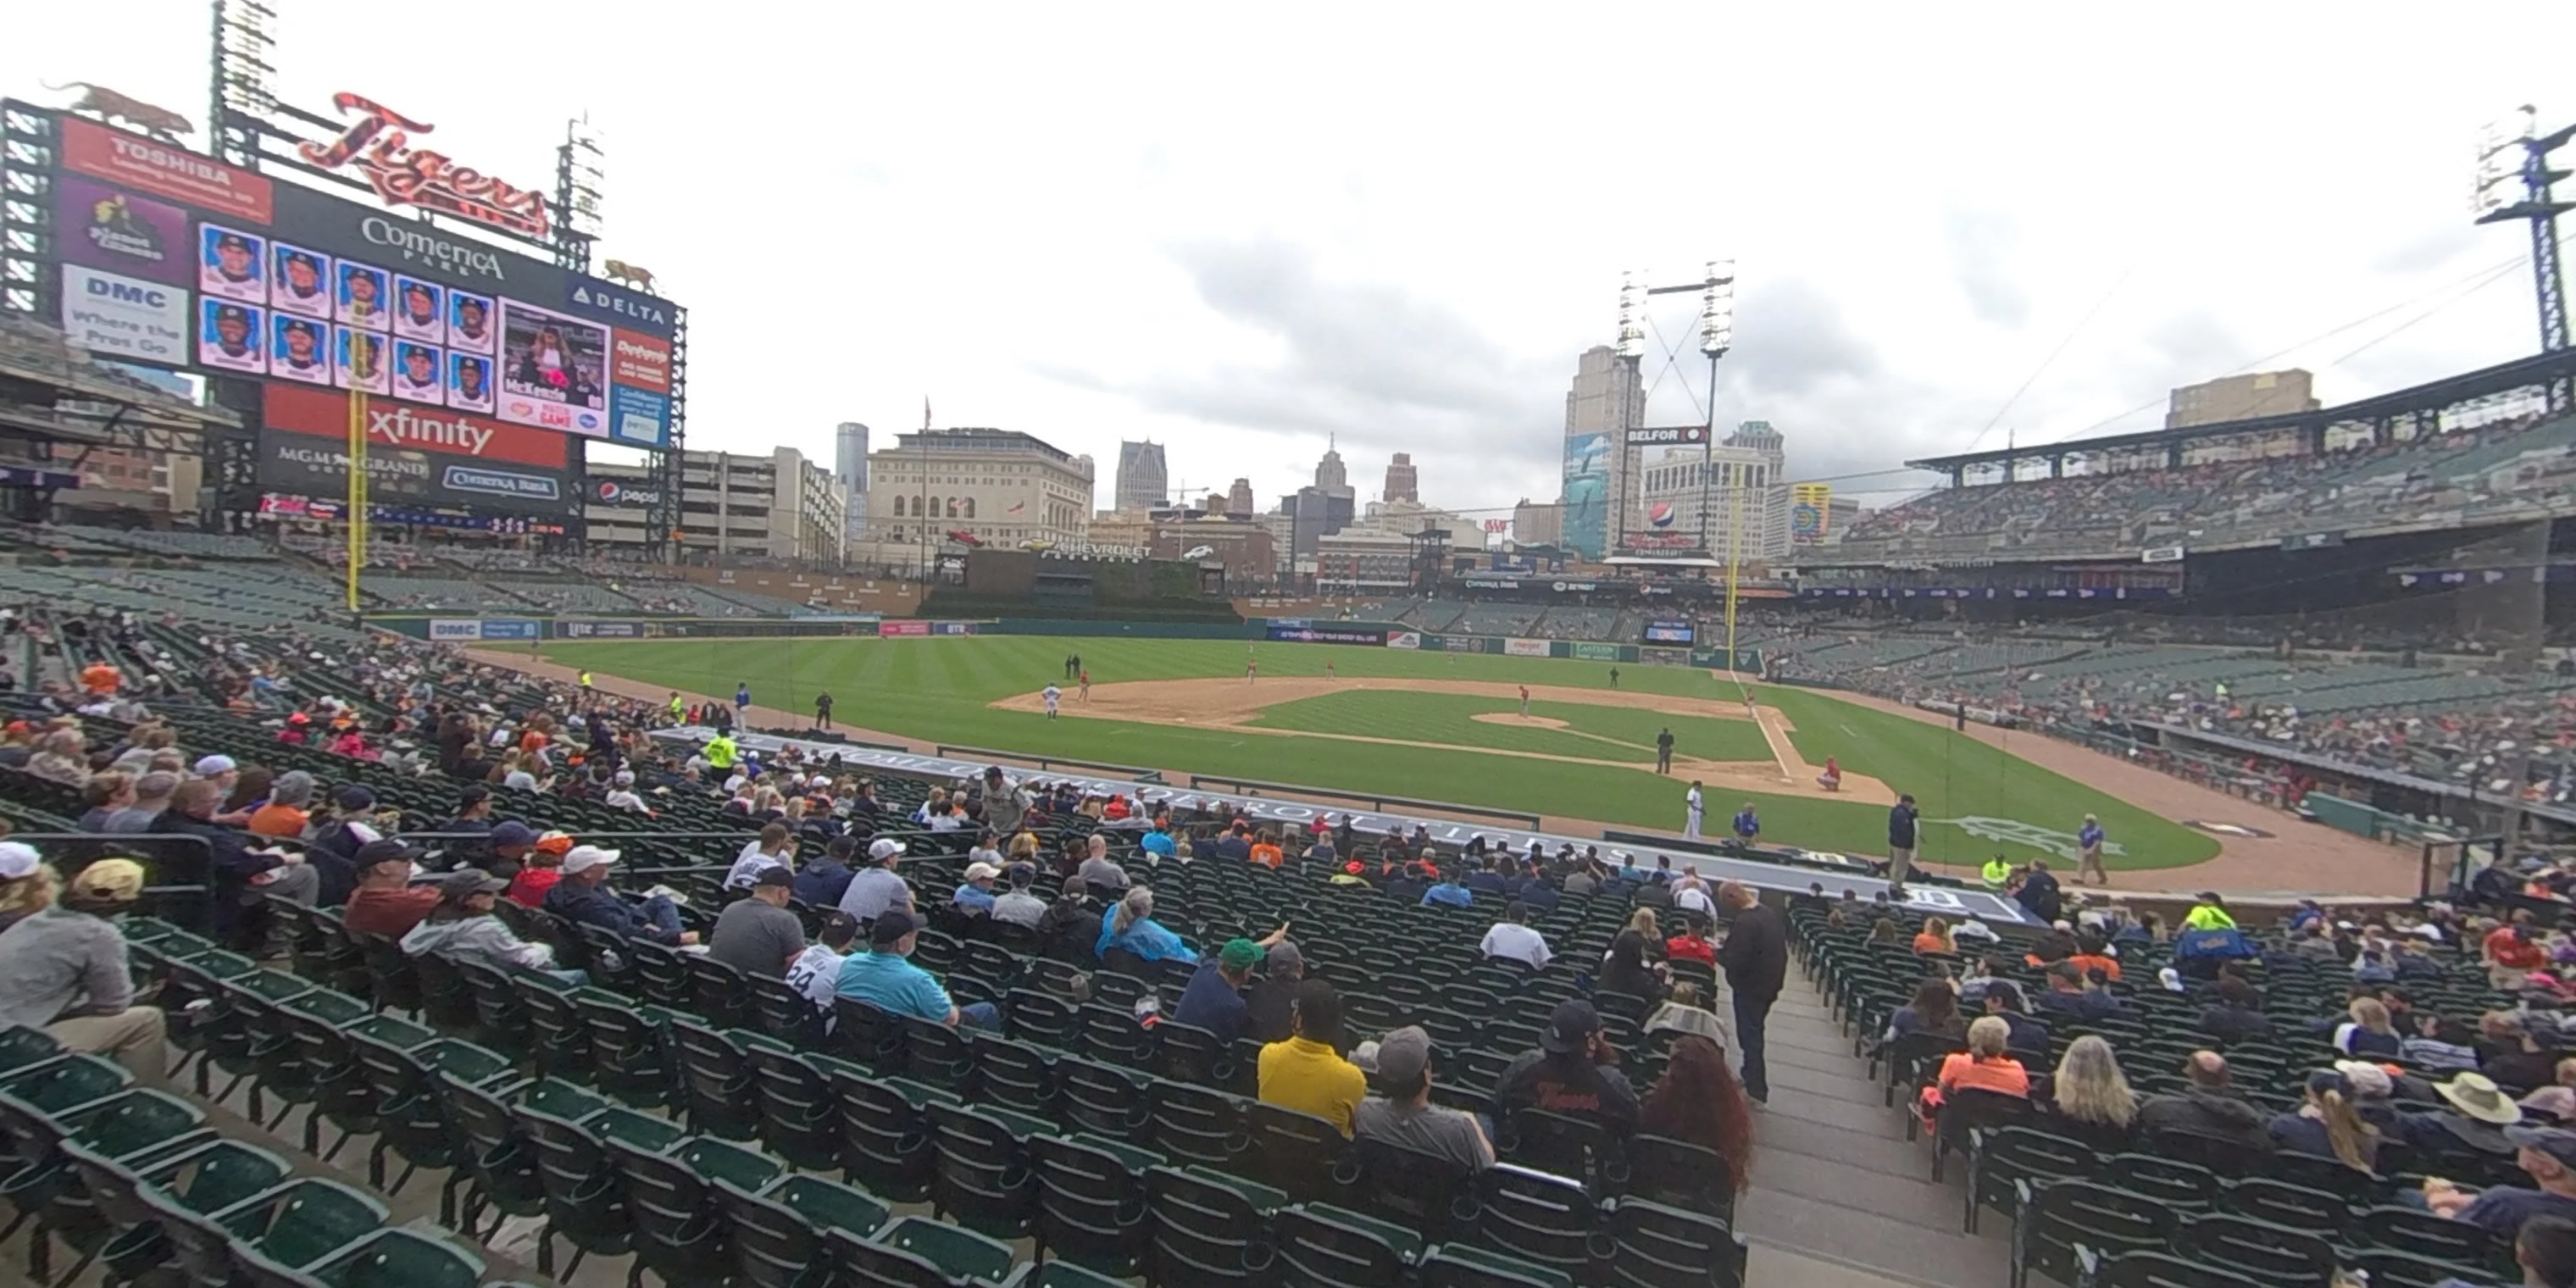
(1404, 639)
(1597, 652)
(115, 316)
(509, 628)
(102, 227)
(600, 630)
(1465, 644)
(901, 630)
(1811, 509)
(1525, 648)
(418, 455)
(639, 416)
(165, 171)
(1587, 486)
(1674, 631)
(554, 371)
(1326, 635)
(952, 628)
(454, 628)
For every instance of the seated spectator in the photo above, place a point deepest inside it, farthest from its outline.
(241, 876)
(886, 979)
(27, 885)
(1157, 841)
(2088, 1097)
(1272, 1003)
(2093, 953)
(1698, 1100)
(2511, 952)
(1447, 892)
(2510, 1055)
(1935, 1009)
(105, 795)
(2369, 1032)
(1984, 1066)
(1512, 939)
(2546, 1248)
(975, 893)
(1234, 843)
(1691, 944)
(1404, 1115)
(1213, 999)
(1626, 970)
(2236, 1015)
(757, 935)
(1574, 1071)
(1018, 905)
(64, 970)
(1307, 1072)
(583, 896)
(2209, 1106)
(1935, 937)
(2328, 1125)
(286, 812)
(2003, 1002)
(826, 877)
(774, 848)
(2474, 1123)
(877, 888)
(1536, 894)
(1071, 928)
(1099, 869)
(152, 794)
(386, 901)
(1487, 879)
(816, 972)
(543, 867)
(2547, 1155)
(1131, 928)
(2438, 1044)
(1266, 851)
(462, 928)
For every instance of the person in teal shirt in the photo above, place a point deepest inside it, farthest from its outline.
(886, 979)
(1449, 892)
(1158, 843)
(1131, 926)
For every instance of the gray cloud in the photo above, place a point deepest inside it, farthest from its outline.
(1980, 242)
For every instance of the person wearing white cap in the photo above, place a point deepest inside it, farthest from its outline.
(621, 794)
(27, 886)
(876, 887)
(219, 770)
(976, 894)
(582, 896)
(64, 970)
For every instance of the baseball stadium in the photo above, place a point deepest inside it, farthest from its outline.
(456, 832)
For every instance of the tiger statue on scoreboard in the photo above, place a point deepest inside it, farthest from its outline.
(111, 107)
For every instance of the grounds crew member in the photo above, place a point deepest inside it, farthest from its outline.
(1997, 873)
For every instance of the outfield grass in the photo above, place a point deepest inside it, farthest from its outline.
(939, 689)
(1617, 733)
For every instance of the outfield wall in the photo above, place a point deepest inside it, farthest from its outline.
(1277, 630)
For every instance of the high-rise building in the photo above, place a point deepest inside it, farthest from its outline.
(1607, 399)
(850, 470)
(2259, 393)
(1741, 486)
(1329, 474)
(1538, 523)
(1144, 481)
(1238, 499)
(1402, 482)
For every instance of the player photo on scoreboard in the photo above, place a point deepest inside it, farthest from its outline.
(552, 358)
(229, 264)
(472, 325)
(416, 372)
(469, 382)
(359, 360)
(363, 296)
(299, 349)
(228, 335)
(418, 310)
(300, 281)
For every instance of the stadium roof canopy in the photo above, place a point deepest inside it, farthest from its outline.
(2424, 399)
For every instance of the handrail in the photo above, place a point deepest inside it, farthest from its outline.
(1253, 786)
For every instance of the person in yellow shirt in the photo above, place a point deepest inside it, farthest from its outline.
(720, 751)
(1307, 1072)
(2210, 913)
(1997, 873)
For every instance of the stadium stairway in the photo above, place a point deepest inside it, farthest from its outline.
(1839, 1198)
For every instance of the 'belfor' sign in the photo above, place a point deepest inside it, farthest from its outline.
(377, 145)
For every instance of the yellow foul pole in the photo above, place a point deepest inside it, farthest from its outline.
(1734, 558)
(357, 499)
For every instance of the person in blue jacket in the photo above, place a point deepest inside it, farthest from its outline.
(1131, 926)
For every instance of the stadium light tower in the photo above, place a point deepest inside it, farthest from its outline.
(245, 39)
(2513, 182)
(581, 180)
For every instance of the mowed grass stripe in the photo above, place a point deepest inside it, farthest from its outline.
(1447, 718)
(891, 685)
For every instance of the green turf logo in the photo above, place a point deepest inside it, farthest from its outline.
(2013, 831)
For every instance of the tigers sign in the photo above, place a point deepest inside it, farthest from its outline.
(378, 146)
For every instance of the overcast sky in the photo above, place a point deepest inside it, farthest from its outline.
(1238, 230)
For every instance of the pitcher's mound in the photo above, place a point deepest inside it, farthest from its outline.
(1509, 718)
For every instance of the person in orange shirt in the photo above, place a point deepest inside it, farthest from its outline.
(285, 814)
(1266, 851)
(538, 733)
(102, 679)
(1984, 1066)
(2091, 955)
(1935, 937)
(2512, 952)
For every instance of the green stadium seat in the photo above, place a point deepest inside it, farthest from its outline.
(884, 1127)
(777, 1235)
(984, 1179)
(386, 1259)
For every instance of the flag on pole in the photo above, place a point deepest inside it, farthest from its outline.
(1018, 506)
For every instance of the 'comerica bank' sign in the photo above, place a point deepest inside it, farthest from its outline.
(1296, 814)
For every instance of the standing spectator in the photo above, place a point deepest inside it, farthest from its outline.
(888, 981)
(2089, 1098)
(1512, 939)
(1755, 957)
(2208, 912)
(1307, 1072)
(64, 970)
(2039, 893)
(758, 935)
(1697, 1100)
(876, 887)
(2088, 864)
(1574, 1071)
(1900, 843)
(1405, 1116)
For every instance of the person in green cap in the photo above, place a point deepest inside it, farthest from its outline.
(1998, 873)
(1214, 998)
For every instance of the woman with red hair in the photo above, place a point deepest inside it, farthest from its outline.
(1698, 1099)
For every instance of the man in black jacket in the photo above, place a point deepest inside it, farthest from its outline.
(1755, 958)
(2210, 1106)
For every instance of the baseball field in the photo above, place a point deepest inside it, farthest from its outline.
(1437, 726)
